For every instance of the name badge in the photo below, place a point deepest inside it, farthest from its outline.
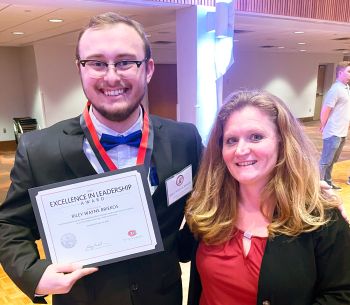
(179, 185)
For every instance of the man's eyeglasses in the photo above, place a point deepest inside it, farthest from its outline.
(97, 68)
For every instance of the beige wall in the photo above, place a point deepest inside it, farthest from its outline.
(290, 76)
(12, 97)
(31, 89)
(43, 82)
(59, 83)
(162, 91)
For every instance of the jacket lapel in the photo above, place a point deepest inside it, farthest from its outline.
(71, 145)
(162, 153)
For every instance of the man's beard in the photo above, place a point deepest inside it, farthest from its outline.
(120, 115)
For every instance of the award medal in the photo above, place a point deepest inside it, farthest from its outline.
(145, 149)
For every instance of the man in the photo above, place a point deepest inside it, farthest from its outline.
(115, 66)
(335, 117)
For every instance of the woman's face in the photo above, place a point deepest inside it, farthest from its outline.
(250, 146)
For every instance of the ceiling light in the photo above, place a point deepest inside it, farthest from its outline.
(302, 50)
(301, 42)
(299, 32)
(55, 20)
(280, 47)
(18, 33)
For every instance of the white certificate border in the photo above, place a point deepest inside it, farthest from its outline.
(146, 196)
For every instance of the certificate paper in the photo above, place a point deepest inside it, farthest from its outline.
(97, 220)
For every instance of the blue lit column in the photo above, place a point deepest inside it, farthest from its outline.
(203, 56)
(195, 69)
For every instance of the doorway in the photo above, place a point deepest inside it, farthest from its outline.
(325, 77)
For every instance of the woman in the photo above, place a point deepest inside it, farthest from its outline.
(266, 234)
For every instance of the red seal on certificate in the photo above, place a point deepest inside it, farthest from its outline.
(132, 233)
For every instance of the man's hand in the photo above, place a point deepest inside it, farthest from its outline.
(344, 213)
(59, 279)
(321, 127)
(327, 190)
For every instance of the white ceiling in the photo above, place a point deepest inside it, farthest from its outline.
(31, 17)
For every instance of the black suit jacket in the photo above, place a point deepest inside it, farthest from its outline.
(311, 269)
(55, 154)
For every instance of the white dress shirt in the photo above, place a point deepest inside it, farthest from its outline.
(121, 155)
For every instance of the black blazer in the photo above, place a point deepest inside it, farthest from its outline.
(55, 154)
(311, 269)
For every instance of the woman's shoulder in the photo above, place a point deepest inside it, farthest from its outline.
(337, 227)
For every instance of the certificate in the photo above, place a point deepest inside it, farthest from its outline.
(99, 219)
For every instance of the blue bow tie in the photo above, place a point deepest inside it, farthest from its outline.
(133, 139)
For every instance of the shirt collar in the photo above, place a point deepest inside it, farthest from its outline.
(101, 128)
(341, 83)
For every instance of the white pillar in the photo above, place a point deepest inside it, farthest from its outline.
(196, 77)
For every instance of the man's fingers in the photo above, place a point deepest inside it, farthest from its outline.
(59, 279)
(324, 185)
(71, 278)
(66, 268)
(79, 273)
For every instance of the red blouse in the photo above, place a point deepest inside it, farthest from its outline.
(227, 275)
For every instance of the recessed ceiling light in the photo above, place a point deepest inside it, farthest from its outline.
(55, 20)
(299, 32)
(302, 50)
(301, 42)
(18, 33)
(280, 47)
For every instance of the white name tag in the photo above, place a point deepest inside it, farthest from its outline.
(179, 185)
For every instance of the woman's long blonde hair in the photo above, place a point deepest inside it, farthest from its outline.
(211, 211)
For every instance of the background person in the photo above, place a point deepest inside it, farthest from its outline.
(115, 66)
(266, 234)
(335, 118)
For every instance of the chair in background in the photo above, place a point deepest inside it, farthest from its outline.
(22, 125)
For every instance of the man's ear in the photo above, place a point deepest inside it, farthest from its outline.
(149, 69)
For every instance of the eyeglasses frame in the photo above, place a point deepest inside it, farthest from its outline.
(138, 63)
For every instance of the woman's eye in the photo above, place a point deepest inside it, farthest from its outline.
(231, 141)
(256, 137)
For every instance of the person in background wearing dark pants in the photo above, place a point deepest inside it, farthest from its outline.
(115, 65)
(335, 118)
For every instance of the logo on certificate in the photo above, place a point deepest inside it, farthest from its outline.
(132, 233)
(68, 240)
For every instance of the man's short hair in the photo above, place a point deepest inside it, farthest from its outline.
(110, 18)
(341, 66)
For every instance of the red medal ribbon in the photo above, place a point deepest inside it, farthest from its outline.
(96, 141)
